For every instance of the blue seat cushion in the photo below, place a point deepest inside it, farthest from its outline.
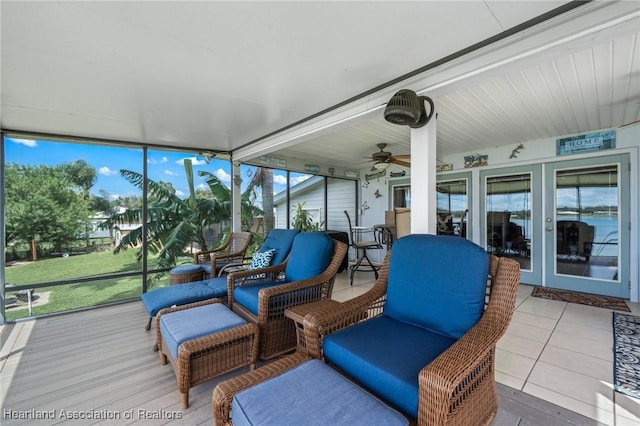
(186, 269)
(310, 255)
(182, 294)
(385, 356)
(181, 326)
(437, 282)
(287, 399)
(247, 296)
(281, 240)
(206, 268)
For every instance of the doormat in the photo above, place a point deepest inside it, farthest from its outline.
(626, 354)
(596, 300)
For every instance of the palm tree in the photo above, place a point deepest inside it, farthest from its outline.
(174, 223)
(263, 178)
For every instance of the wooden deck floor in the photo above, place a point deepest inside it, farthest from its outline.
(100, 363)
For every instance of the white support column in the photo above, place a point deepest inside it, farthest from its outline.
(236, 193)
(423, 179)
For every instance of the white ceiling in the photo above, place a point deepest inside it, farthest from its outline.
(221, 75)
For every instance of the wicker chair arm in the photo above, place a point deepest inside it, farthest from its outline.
(273, 301)
(319, 324)
(227, 258)
(245, 261)
(253, 277)
(225, 390)
(206, 255)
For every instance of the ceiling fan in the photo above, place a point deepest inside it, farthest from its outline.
(383, 159)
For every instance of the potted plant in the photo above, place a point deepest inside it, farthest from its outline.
(303, 221)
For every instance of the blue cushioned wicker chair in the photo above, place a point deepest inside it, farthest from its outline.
(261, 296)
(428, 342)
(279, 240)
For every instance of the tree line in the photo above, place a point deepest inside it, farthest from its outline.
(53, 205)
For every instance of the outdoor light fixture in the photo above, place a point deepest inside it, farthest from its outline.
(381, 165)
(406, 108)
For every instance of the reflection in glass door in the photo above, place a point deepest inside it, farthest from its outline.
(452, 207)
(584, 230)
(509, 224)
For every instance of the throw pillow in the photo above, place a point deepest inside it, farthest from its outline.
(261, 260)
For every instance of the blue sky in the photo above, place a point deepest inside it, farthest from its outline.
(167, 166)
(108, 161)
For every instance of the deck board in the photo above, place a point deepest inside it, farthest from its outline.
(101, 360)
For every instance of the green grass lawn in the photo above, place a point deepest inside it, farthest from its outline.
(73, 296)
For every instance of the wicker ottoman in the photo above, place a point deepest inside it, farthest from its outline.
(204, 340)
(185, 274)
(298, 390)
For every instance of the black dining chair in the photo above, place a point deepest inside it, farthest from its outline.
(362, 247)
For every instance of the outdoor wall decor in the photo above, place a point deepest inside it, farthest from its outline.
(397, 174)
(444, 166)
(475, 160)
(589, 142)
(273, 161)
(312, 168)
(376, 175)
(516, 151)
(377, 193)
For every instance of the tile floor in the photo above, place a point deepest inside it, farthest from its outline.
(557, 351)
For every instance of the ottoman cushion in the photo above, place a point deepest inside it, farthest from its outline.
(311, 394)
(182, 294)
(181, 326)
(185, 269)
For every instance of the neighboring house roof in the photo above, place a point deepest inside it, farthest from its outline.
(298, 189)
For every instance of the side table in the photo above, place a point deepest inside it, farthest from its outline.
(297, 314)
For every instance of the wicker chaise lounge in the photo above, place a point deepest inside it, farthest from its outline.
(426, 346)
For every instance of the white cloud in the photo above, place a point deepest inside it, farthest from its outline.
(107, 171)
(223, 176)
(194, 161)
(297, 180)
(26, 142)
(160, 161)
(170, 173)
(202, 186)
(282, 180)
(179, 193)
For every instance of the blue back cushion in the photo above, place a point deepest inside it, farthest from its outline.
(310, 255)
(437, 282)
(280, 240)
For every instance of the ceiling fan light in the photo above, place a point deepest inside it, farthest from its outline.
(382, 165)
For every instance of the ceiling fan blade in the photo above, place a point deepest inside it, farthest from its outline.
(402, 156)
(401, 163)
